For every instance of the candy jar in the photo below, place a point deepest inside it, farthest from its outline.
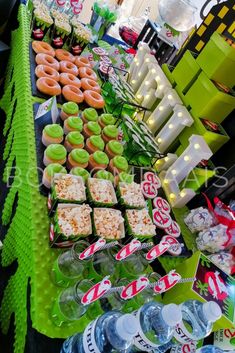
(68, 268)
(68, 306)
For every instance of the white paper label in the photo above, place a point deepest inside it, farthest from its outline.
(225, 339)
(89, 344)
(141, 341)
(182, 335)
(184, 348)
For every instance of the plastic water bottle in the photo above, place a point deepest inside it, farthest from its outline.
(210, 349)
(157, 326)
(198, 319)
(111, 332)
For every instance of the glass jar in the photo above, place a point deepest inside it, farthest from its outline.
(68, 268)
(179, 14)
(67, 306)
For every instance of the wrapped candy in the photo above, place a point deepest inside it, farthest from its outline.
(214, 239)
(199, 219)
(225, 261)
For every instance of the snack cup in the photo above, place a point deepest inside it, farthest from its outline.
(121, 227)
(55, 197)
(131, 232)
(123, 202)
(62, 240)
(91, 195)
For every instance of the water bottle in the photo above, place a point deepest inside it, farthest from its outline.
(111, 332)
(198, 319)
(210, 349)
(157, 326)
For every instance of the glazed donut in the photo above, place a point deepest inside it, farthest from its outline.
(72, 94)
(44, 59)
(69, 79)
(48, 86)
(70, 68)
(94, 99)
(43, 47)
(47, 71)
(81, 61)
(88, 84)
(87, 72)
(64, 55)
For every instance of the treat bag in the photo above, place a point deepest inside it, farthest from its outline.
(199, 219)
(213, 239)
(225, 261)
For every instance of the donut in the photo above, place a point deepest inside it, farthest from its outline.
(81, 61)
(43, 47)
(88, 84)
(87, 72)
(48, 86)
(69, 79)
(44, 59)
(70, 68)
(72, 94)
(94, 99)
(64, 55)
(47, 71)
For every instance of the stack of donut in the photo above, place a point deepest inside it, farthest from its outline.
(58, 71)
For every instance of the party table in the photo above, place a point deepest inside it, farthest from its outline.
(25, 209)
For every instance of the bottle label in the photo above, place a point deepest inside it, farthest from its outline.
(182, 335)
(184, 348)
(88, 340)
(141, 341)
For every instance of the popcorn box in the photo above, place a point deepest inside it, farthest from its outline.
(95, 200)
(211, 284)
(58, 238)
(131, 231)
(121, 226)
(65, 192)
(121, 186)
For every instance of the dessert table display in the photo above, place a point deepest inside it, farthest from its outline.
(85, 207)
